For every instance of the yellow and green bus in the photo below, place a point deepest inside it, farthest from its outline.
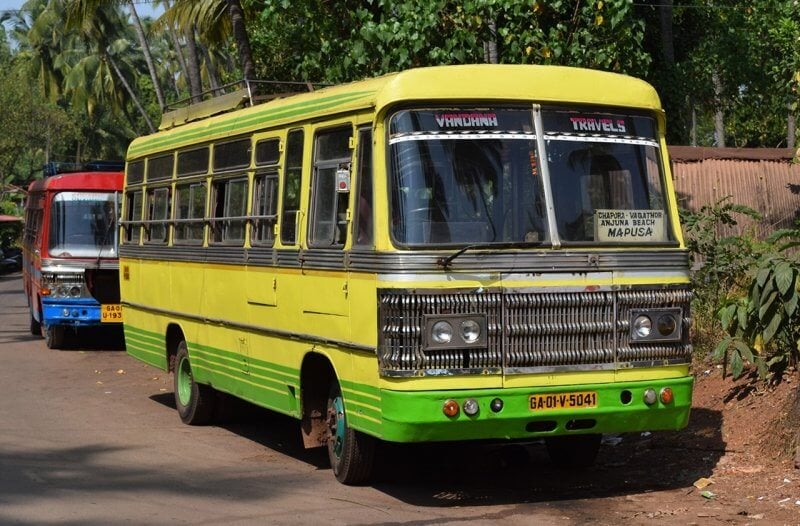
(477, 252)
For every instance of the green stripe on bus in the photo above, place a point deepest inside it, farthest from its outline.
(264, 383)
(261, 118)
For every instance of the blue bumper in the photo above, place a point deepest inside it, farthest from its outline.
(82, 312)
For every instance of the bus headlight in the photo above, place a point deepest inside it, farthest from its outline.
(442, 332)
(470, 331)
(454, 331)
(642, 326)
(662, 325)
(666, 324)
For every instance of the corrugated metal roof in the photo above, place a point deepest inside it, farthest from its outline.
(767, 180)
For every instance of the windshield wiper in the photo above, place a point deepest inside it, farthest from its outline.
(445, 262)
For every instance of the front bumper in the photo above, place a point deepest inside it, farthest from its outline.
(409, 416)
(81, 312)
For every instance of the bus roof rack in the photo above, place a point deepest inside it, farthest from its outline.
(56, 167)
(228, 98)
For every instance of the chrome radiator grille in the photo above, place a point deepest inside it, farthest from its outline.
(528, 331)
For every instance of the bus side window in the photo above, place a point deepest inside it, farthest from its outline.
(228, 206)
(364, 219)
(265, 193)
(158, 206)
(329, 197)
(133, 209)
(291, 187)
(191, 205)
(265, 207)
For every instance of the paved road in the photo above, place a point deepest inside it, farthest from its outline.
(90, 436)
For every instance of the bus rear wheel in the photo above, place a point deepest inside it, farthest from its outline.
(54, 336)
(573, 451)
(195, 402)
(351, 452)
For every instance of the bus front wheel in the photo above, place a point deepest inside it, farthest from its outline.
(195, 402)
(54, 336)
(351, 452)
(36, 327)
(573, 451)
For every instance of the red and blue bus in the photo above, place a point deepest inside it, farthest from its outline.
(70, 259)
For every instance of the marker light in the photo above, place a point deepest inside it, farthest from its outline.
(471, 407)
(442, 332)
(667, 395)
(649, 396)
(470, 331)
(496, 405)
(642, 326)
(450, 408)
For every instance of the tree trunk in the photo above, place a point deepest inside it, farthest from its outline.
(719, 118)
(213, 75)
(148, 57)
(241, 39)
(132, 95)
(176, 43)
(667, 44)
(791, 129)
(193, 66)
(490, 46)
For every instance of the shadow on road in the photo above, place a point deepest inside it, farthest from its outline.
(460, 474)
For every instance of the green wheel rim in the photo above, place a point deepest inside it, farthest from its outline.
(337, 426)
(184, 373)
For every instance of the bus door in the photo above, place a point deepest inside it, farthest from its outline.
(328, 221)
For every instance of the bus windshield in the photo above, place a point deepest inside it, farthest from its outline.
(82, 225)
(462, 177)
(473, 176)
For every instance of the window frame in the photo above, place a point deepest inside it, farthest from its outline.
(179, 223)
(220, 225)
(340, 203)
(152, 223)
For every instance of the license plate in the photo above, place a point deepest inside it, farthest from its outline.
(111, 313)
(553, 401)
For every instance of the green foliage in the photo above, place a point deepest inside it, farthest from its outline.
(720, 264)
(763, 327)
(750, 287)
(721, 261)
(343, 40)
(751, 47)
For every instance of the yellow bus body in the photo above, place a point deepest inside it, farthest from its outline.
(280, 322)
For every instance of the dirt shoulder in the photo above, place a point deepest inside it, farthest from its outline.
(735, 460)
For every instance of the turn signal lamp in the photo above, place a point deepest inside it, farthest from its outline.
(667, 396)
(450, 408)
(44, 291)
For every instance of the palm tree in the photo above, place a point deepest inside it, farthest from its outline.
(102, 34)
(79, 11)
(215, 21)
(38, 29)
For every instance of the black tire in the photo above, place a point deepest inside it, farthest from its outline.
(36, 327)
(195, 402)
(351, 453)
(573, 451)
(54, 336)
